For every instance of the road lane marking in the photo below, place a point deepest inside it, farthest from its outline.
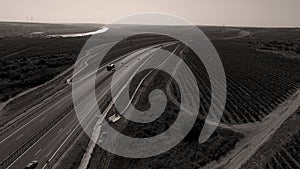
(37, 141)
(72, 131)
(69, 132)
(48, 133)
(31, 121)
(60, 130)
(38, 152)
(108, 108)
(42, 119)
(139, 85)
(41, 113)
(57, 102)
(48, 154)
(19, 137)
(90, 109)
(143, 51)
(45, 166)
(43, 135)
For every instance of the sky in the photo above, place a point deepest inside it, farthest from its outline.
(264, 13)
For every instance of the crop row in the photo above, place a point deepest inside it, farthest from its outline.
(288, 157)
(253, 91)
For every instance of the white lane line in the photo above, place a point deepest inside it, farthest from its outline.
(42, 119)
(61, 144)
(48, 154)
(37, 116)
(138, 52)
(69, 132)
(98, 125)
(47, 134)
(40, 115)
(60, 130)
(19, 137)
(91, 108)
(72, 131)
(139, 85)
(38, 152)
(36, 142)
(31, 120)
(45, 166)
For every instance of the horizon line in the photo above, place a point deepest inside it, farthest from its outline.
(98, 23)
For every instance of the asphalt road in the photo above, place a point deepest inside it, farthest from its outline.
(47, 147)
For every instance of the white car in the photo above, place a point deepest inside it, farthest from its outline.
(32, 165)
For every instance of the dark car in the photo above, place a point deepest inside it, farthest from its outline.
(32, 165)
(110, 67)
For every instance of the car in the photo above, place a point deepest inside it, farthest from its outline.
(110, 67)
(32, 165)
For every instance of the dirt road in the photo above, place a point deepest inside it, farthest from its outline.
(258, 135)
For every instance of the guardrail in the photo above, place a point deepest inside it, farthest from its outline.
(33, 139)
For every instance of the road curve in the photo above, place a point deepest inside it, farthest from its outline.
(45, 148)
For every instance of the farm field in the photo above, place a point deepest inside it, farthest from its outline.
(257, 83)
(259, 127)
(286, 152)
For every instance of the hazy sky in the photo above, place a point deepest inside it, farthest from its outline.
(202, 12)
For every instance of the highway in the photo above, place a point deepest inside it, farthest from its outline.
(57, 121)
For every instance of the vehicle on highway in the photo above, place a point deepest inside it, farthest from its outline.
(110, 67)
(32, 165)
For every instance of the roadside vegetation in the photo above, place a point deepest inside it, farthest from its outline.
(13, 29)
(29, 62)
(74, 156)
(187, 154)
(44, 59)
(257, 82)
(290, 46)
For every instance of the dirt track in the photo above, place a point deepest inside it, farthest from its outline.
(255, 133)
(242, 34)
(259, 134)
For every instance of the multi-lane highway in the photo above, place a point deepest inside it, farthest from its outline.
(42, 137)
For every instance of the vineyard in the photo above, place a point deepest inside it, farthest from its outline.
(288, 157)
(256, 82)
(187, 154)
(282, 150)
(259, 127)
